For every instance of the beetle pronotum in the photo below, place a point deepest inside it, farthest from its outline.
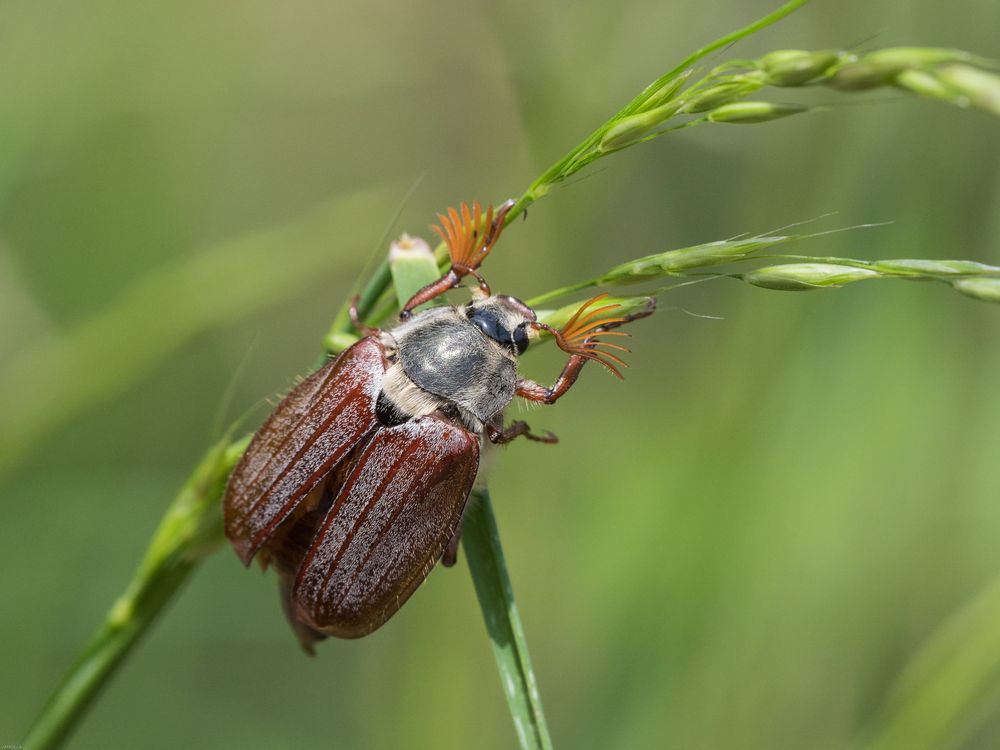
(355, 485)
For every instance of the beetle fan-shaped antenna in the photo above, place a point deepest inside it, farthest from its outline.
(469, 241)
(579, 335)
(470, 236)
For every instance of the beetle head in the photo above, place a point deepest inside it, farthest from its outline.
(503, 319)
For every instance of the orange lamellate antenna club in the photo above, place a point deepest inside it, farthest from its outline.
(470, 235)
(470, 240)
(579, 335)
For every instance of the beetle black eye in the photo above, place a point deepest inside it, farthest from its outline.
(521, 338)
(486, 321)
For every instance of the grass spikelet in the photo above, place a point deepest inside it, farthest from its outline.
(981, 87)
(750, 113)
(985, 289)
(861, 76)
(801, 277)
(686, 258)
(930, 85)
(794, 67)
(632, 129)
(667, 91)
(901, 58)
(728, 90)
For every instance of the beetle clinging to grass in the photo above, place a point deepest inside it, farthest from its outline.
(355, 485)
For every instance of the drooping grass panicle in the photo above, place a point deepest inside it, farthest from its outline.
(953, 76)
(801, 273)
(682, 261)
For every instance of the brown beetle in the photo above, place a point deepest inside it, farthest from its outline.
(355, 485)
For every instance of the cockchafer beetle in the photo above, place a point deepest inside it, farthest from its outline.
(355, 485)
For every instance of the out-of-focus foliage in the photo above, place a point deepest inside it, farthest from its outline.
(743, 545)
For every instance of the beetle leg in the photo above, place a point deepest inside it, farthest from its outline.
(359, 325)
(581, 339)
(450, 556)
(447, 282)
(500, 436)
(532, 391)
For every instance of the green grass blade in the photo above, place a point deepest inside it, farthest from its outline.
(481, 544)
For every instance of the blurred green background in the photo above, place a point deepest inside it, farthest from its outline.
(742, 546)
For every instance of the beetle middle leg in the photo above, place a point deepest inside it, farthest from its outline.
(502, 435)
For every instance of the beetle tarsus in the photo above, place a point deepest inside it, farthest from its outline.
(518, 429)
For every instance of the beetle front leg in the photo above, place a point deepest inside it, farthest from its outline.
(583, 338)
(532, 391)
(446, 283)
(501, 435)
